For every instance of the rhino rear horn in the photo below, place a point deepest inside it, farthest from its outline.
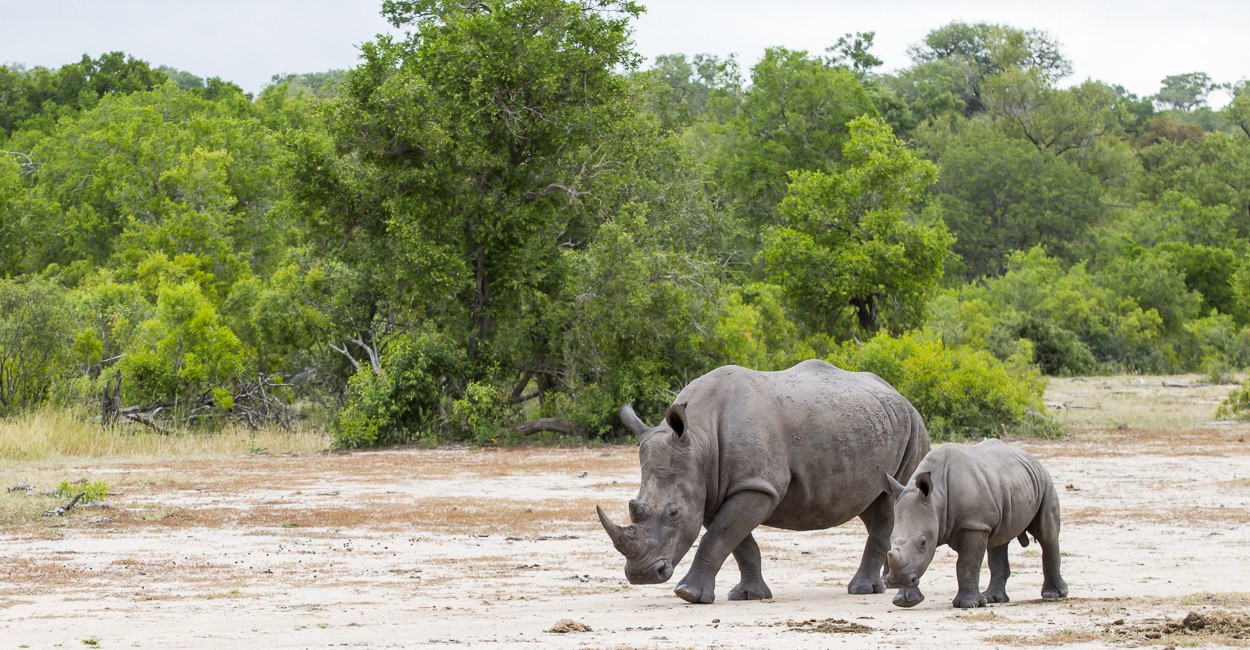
(632, 421)
(620, 539)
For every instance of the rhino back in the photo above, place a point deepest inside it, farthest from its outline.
(990, 485)
(819, 437)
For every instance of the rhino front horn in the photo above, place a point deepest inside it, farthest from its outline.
(619, 537)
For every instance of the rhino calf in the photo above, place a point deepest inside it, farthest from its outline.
(973, 498)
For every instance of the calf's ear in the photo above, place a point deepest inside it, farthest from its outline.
(924, 481)
(676, 419)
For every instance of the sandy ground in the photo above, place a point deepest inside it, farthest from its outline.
(495, 548)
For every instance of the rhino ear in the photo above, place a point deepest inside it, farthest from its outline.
(924, 481)
(676, 418)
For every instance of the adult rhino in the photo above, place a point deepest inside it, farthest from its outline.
(801, 449)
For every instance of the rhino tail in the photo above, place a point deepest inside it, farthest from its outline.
(1023, 538)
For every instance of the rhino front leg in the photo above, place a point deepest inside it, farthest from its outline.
(971, 550)
(878, 518)
(752, 586)
(1000, 570)
(738, 516)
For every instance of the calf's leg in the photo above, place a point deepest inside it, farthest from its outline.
(1000, 570)
(971, 549)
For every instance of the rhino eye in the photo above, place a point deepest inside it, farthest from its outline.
(923, 541)
(673, 512)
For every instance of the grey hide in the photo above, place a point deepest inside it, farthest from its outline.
(802, 449)
(974, 498)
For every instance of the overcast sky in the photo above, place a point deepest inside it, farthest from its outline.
(1134, 43)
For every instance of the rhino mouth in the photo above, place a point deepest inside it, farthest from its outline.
(650, 574)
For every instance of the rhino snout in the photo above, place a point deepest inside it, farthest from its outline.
(655, 573)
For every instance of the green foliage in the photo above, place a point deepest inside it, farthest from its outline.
(1236, 406)
(92, 491)
(496, 217)
(960, 391)
(34, 341)
(402, 399)
(793, 116)
(847, 247)
(999, 195)
(184, 350)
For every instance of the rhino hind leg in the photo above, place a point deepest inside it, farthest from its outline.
(1000, 570)
(1046, 531)
(738, 516)
(751, 586)
(878, 518)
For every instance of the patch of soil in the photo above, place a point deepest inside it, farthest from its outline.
(1218, 627)
(827, 626)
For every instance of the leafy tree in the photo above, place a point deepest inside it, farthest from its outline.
(34, 341)
(847, 244)
(794, 116)
(36, 98)
(1185, 92)
(316, 84)
(183, 79)
(851, 51)
(998, 195)
(690, 86)
(953, 62)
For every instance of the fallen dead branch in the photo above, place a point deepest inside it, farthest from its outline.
(60, 511)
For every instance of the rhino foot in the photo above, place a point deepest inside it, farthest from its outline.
(969, 601)
(696, 595)
(1055, 592)
(860, 585)
(751, 591)
(999, 596)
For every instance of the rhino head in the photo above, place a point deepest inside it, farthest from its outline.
(666, 516)
(914, 540)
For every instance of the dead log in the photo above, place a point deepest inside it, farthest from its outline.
(60, 511)
(557, 425)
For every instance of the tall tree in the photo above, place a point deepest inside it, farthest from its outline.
(472, 149)
(848, 252)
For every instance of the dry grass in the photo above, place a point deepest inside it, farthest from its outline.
(1062, 637)
(1137, 402)
(51, 434)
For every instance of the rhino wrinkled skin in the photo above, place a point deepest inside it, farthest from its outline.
(801, 449)
(973, 498)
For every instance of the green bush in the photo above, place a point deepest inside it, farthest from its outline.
(405, 399)
(961, 392)
(1236, 406)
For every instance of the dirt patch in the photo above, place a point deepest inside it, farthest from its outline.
(1213, 627)
(827, 626)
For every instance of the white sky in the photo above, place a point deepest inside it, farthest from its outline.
(1134, 43)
